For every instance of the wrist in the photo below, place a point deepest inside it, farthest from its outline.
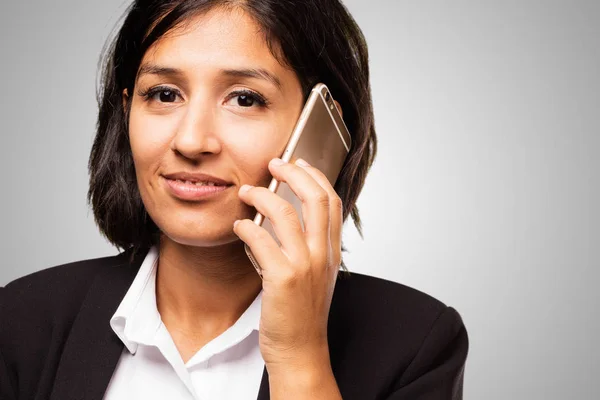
(299, 361)
(315, 382)
(305, 376)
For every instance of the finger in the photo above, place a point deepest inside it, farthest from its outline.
(281, 214)
(336, 218)
(264, 248)
(315, 205)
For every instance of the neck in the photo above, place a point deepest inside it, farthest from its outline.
(204, 289)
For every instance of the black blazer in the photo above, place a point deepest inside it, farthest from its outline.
(386, 340)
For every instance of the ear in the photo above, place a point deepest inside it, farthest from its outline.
(124, 98)
(339, 108)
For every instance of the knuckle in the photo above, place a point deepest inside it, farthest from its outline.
(321, 197)
(286, 210)
(289, 279)
(336, 203)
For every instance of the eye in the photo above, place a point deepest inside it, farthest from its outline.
(247, 99)
(162, 94)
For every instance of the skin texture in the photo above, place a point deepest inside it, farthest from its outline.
(198, 123)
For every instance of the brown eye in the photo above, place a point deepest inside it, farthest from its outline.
(245, 101)
(167, 96)
(161, 94)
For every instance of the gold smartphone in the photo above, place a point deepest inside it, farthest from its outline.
(319, 137)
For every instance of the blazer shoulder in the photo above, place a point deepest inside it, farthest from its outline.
(396, 332)
(386, 299)
(389, 315)
(38, 311)
(69, 277)
(55, 290)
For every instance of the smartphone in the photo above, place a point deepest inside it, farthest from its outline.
(321, 138)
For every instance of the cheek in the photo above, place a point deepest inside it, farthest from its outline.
(149, 138)
(252, 145)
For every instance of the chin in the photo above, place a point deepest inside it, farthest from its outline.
(210, 231)
(200, 225)
(195, 233)
(204, 241)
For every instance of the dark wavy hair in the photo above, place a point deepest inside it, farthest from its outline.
(318, 39)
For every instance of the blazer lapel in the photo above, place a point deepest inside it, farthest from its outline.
(92, 349)
(263, 392)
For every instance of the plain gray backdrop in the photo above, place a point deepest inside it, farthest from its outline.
(484, 194)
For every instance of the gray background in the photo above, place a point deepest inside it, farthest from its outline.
(485, 192)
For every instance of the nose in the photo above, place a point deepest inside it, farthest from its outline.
(196, 134)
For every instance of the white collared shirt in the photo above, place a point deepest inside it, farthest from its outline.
(228, 367)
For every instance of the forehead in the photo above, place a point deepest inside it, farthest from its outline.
(218, 39)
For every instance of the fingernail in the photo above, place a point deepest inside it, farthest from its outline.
(302, 163)
(245, 188)
(237, 221)
(277, 161)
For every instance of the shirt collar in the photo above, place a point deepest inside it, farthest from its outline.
(137, 318)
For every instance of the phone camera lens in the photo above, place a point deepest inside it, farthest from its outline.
(327, 96)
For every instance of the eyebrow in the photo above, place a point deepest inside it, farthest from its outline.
(256, 73)
(152, 69)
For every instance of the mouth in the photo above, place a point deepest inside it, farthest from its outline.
(196, 178)
(195, 183)
(194, 188)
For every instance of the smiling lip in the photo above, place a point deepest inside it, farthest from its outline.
(196, 177)
(183, 186)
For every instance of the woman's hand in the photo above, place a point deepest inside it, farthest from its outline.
(298, 277)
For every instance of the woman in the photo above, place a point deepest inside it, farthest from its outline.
(200, 96)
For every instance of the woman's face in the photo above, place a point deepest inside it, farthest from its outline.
(209, 99)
